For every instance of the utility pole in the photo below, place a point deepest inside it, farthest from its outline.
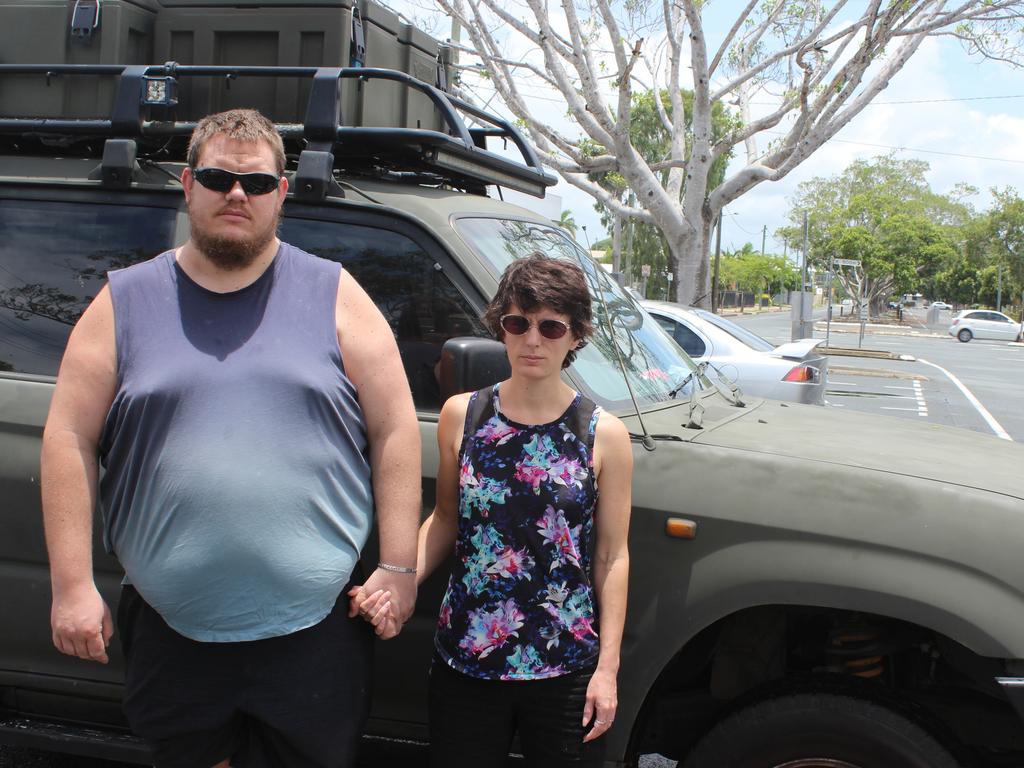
(801, 321)
(803, 266)
(999, 289)
(828, 299)
(764, 235)
(718, 255)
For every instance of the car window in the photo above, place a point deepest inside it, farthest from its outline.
(738, 332)
(54, 258)
(421, 304)
(691, 343)
(998, 318)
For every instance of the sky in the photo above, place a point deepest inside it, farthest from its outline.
(962, 115)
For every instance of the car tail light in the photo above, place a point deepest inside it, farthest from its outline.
(802, 373)
(956, 320)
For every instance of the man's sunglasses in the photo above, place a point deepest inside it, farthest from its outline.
(219, 180)
(517, 325)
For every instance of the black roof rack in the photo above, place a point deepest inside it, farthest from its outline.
(456, 156)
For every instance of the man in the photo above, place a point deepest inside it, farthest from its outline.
(248, 404)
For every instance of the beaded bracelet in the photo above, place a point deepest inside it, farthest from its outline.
(395, 568)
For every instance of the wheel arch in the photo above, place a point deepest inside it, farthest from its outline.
(965, 607)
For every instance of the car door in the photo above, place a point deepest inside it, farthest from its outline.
(1003, 327)
(57, 247)
(422, 294)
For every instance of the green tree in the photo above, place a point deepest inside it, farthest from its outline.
(883, 213)
(960, 283)
(753, 272)
(1006, 232)
(567, 222)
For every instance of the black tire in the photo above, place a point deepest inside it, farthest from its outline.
(965, 335)
(817, 731)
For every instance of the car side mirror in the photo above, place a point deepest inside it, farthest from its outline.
(469, 363)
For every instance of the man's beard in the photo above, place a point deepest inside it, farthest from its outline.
(233, 253)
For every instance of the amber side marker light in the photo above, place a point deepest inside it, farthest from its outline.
(678, 528)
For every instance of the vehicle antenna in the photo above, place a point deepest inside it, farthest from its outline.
(646, 440)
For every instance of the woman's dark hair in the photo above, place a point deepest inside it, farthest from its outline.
(537, 281)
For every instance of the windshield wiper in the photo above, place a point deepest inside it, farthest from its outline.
(734, 395)
(696, 373)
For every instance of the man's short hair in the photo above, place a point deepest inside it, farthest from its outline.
(238, 124)
(537, 281)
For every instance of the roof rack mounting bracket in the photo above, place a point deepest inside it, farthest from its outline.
(126, 119)
(118, 164)
(315, 175)
(323, 112)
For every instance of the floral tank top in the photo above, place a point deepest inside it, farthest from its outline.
(520, 605)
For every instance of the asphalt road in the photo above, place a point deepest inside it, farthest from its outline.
(977, 386)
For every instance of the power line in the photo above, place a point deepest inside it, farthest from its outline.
(915, 149)
(917, 101)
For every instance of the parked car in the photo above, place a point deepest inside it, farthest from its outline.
(941, 305)
(983, 324)
(807, 586)
(795, 371)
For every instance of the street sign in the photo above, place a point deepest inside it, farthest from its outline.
(645, 270)
(669, 276)
(846, 262)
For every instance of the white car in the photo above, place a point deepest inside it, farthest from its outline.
(983, 324)
(795, 371)
(941, 305)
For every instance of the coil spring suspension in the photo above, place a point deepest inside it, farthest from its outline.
(856, 650)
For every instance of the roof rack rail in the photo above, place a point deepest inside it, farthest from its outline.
(455, 156)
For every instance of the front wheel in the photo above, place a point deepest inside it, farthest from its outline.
(818, 731)
(965, 335)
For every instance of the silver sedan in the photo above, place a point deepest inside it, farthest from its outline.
(795, 371)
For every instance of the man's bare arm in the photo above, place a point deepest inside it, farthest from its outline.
(86, 384)
(373, 364)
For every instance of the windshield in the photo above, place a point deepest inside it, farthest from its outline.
(738, 332)
(654, 364)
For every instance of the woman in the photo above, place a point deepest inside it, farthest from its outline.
(530, 627)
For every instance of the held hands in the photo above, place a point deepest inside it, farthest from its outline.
(386, 601)
(602, 701)
(81, 623)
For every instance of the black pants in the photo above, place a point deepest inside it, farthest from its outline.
(296, 701)
(473, 721)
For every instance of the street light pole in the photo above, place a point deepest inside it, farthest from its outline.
(718, 255)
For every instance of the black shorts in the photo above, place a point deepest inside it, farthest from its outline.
(295, 701)
(473, 722)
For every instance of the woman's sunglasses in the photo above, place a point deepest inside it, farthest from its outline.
(219, 180)
(517, 325)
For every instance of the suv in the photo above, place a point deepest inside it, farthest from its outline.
(796, 597)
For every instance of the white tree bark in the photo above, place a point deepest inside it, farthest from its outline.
(829, 58)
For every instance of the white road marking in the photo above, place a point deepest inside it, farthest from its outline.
(994, 425)
(843, 383)
(922, 405)
(892, 408)
(894, 386)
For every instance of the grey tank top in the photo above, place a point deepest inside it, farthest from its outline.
(236, 491)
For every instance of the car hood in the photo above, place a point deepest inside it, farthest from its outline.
(884, 444)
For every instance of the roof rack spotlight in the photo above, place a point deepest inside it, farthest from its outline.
(160, 92)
